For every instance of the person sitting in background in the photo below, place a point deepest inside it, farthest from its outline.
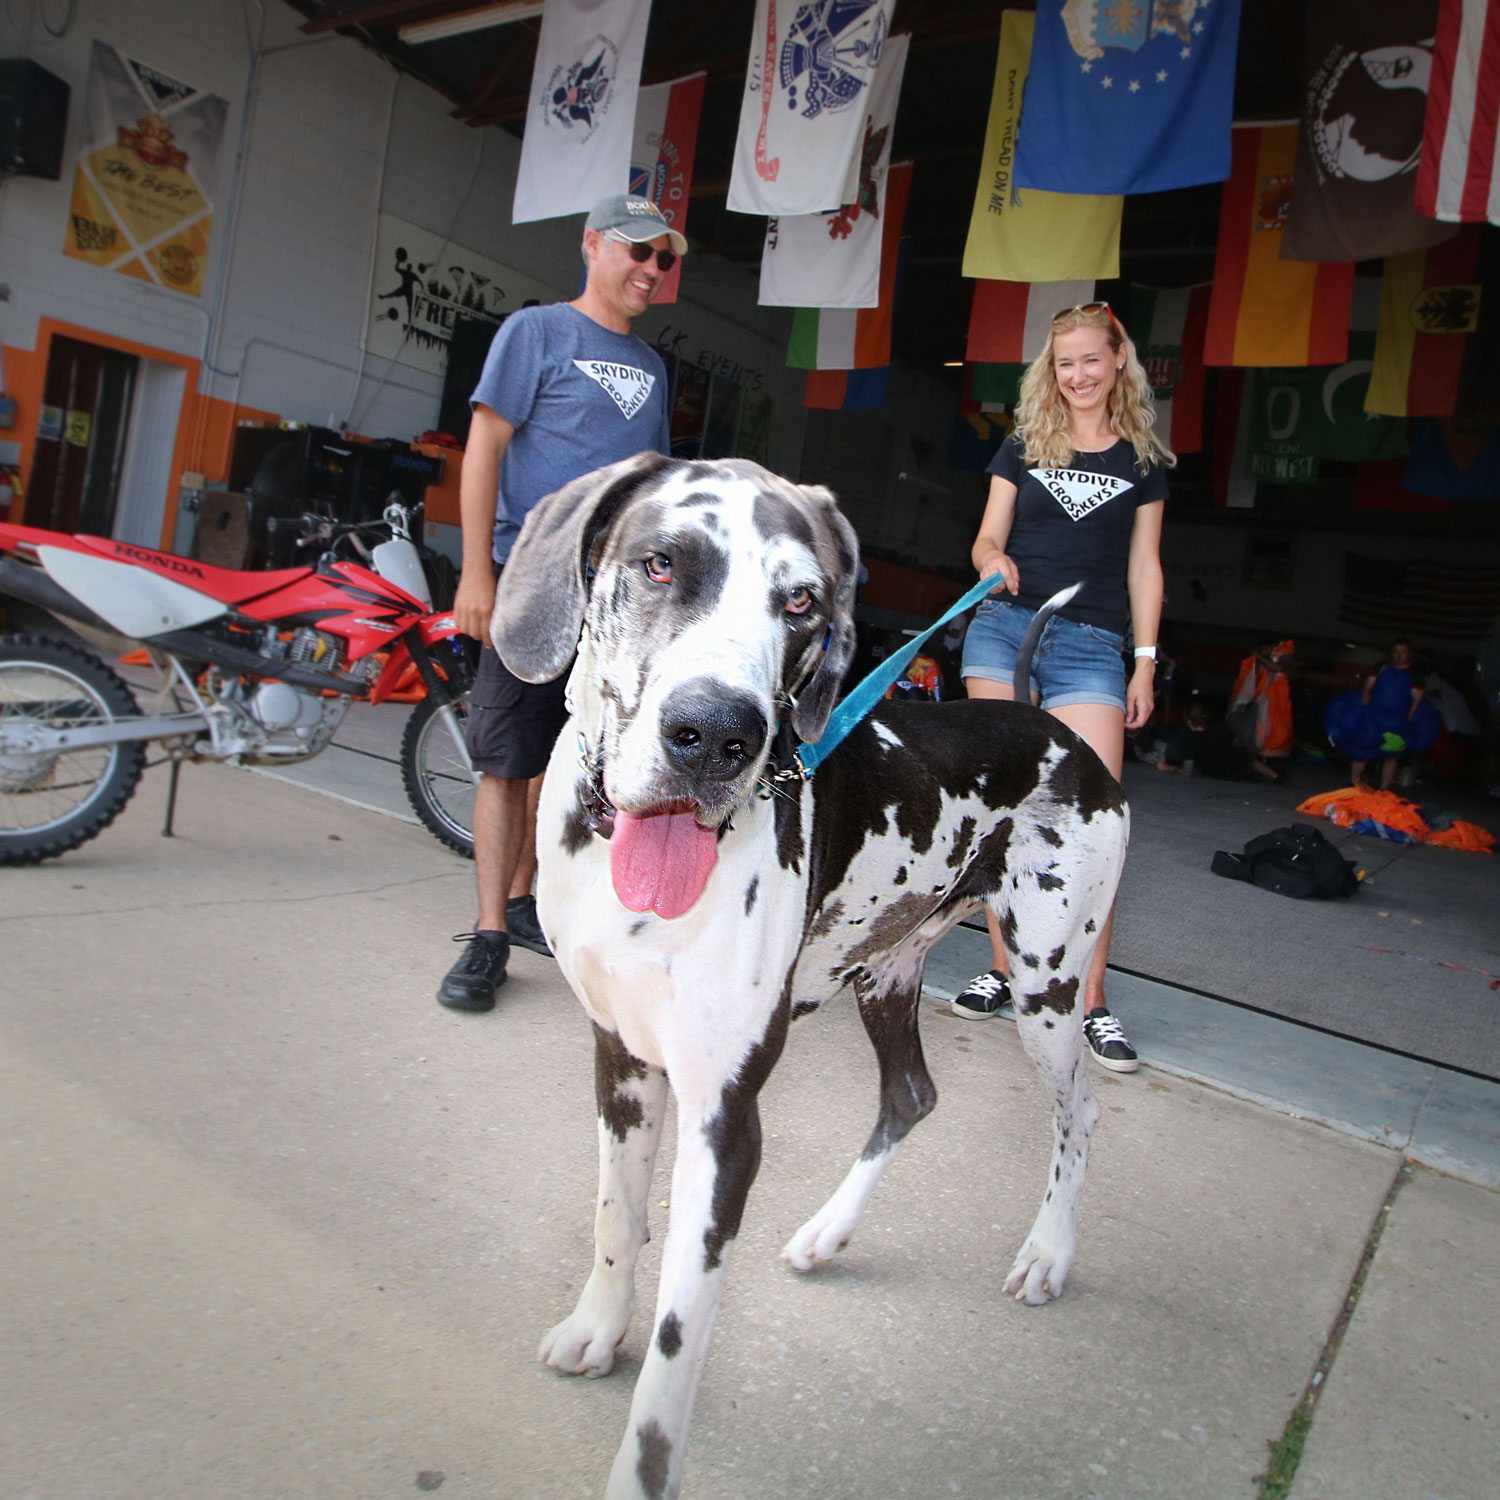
(1197, 746)
(1260, 707)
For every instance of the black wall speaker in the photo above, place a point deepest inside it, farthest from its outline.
(33, 119)
(467, 351)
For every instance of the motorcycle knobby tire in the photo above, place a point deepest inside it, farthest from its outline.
(116, 781)
(445, 823)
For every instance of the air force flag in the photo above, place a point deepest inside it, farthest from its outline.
(1128, 96)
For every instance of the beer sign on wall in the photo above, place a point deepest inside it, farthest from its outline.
(423, 284)
(144, 185)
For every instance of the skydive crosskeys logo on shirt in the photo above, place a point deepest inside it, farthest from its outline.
(1078, 491)
(629, 386)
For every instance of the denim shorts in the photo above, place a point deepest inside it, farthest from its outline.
(1074, 662)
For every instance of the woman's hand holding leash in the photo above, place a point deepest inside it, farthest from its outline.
(1000, 562)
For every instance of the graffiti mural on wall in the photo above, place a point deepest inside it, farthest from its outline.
(423, 284)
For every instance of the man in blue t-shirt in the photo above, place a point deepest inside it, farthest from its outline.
(566, 389)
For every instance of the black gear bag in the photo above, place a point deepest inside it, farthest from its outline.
(1296, 861)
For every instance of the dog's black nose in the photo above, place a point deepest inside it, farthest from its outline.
(710, 731)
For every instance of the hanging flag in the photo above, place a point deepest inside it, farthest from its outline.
(1009, 320)
(1128, 97)
(661, 156)
(849, 339)
(147, 174)
(1265, 310)
(1232, 488)
(1364, 95)
(581, 116)
(1454, 460)
(975, 439)
(1420, 596)
(802, 116)
(1429, 302)
(833, 259)
(994, 384)
(846, 390)
(1032, 236)
(1169, 331)
(1458, 178)
(1301, 416)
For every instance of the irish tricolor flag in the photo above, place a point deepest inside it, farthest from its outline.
(1168, 328)
(825, 338)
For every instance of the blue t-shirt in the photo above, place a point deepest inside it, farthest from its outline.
(1074, 525)
(579, 397)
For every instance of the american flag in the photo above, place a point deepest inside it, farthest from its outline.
(1420, 597)
(1458, 178)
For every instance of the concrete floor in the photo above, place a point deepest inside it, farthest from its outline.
(277, 1225)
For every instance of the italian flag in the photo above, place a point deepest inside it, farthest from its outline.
(825, 338)
(1008, 326)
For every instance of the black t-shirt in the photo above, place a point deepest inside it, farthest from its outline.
(1073, 525)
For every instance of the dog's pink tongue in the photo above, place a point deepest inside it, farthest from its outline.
(660, 862)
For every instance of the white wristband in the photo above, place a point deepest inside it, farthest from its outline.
(1141, 651)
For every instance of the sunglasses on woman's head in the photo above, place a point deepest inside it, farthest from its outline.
(641, 252)
(1083, 307)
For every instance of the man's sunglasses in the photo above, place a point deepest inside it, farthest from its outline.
(1083, 307)
(641, 252)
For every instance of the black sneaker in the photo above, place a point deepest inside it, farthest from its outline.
(525, 930)
(471, 983)
(1107, 1041)
(987, 996)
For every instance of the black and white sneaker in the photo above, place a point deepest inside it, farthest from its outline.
(1107, 1041)
(987, 996)
(525, 929)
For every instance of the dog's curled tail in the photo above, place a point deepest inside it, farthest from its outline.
(1033, 635)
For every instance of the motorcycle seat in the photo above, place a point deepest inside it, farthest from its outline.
(229, 585)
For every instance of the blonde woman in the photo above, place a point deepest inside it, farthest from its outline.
(1076, 494)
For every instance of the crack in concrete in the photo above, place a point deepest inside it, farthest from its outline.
(1286, 1451)
(112, 911)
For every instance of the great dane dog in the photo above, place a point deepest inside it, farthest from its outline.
(698, 904)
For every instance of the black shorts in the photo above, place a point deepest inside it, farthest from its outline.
(513, 725)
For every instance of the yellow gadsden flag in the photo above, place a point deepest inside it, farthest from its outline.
(143, 187)
(1032, 235)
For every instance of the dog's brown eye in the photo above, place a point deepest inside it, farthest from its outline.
(799, 601)
(659, 568)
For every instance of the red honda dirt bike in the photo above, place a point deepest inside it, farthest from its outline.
(254, 668)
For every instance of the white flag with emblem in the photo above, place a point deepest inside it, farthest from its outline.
(628, 385)
(833, 260)
(581, 115)
(802, 117)
(1078, 491)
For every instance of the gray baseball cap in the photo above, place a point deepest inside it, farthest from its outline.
(635, 219)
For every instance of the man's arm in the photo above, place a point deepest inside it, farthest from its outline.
(478, 497)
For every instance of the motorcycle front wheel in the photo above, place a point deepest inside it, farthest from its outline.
(52, 802)
(436, 775)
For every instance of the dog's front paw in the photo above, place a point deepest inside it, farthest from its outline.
(584, 1343)
(1039, 1272)
(817, 1242)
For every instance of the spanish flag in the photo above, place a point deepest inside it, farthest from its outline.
(1265, 310)
(1428, 301)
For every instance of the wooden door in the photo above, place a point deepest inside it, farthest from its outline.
(80, 447)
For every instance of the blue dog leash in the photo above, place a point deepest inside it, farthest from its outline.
(857, 703)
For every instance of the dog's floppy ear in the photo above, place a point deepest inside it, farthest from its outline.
(543, 591)
(816, 700)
